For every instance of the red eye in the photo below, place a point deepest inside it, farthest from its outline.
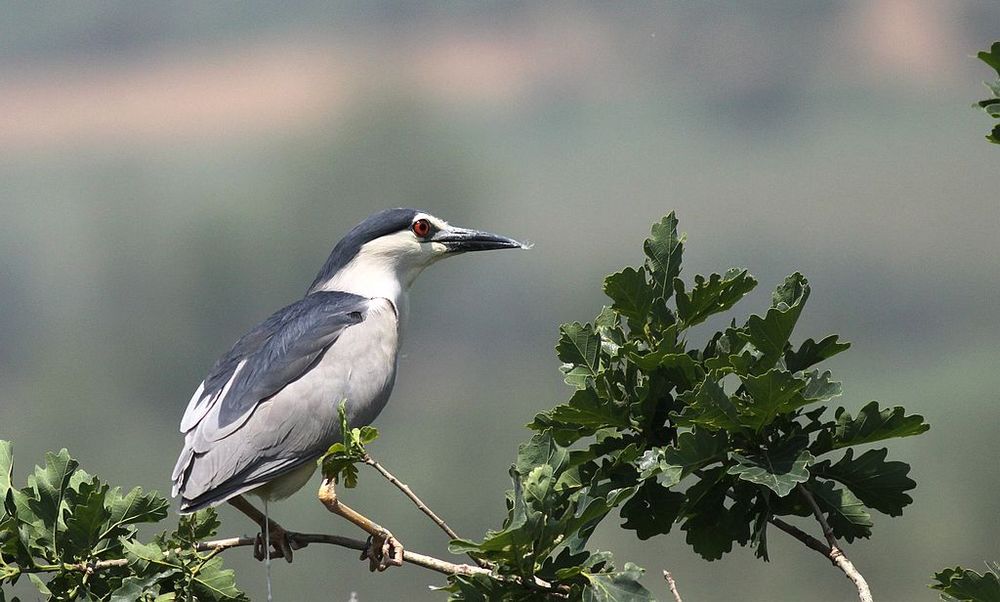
(421, 228)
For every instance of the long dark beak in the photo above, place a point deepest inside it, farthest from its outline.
(461, 240)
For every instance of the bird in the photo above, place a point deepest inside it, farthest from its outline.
(269, 407)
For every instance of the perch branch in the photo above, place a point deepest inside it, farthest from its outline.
(219, 545)
(367, 459)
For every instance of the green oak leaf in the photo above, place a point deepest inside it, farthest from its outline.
(579, 346)
(820, 388)
(711, 528)
(574, 528)
(216, 582)
(772, 393)
(198, 526)
(967, 585)
(48, 486)
(693, 450)
(631, 295)
(584, 414)
(143, 556)
(664, 249)
(6, 467)
(34, 535)
(569, 564)
(712, 296)
(870, 425)
(991, 57)
(990, 105)
(879, 484)
(811, 353)
(779, 470)
(135, 587)
(709, 406)
(621, 586)
(652, 510)
(608, 325)
(770, 334)
(86, 516)
(133, 508)
(483, 588)
(845, 512)
(758, 534)
(994, 135)
(541, 449)
(537, 485)
(680, 368)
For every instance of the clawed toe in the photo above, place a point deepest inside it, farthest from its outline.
(382, 551)
(282, 543)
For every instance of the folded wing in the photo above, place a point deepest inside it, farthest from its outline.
(277, 352)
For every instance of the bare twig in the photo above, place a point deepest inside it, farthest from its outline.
(419, 504)
(672, 585)
(831, 550)
(413, 497)
(835, 554)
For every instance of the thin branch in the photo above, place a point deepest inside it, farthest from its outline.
(413, 497)
(800, 535)
(832, 551)
(304, 539)
(672, 585)
(419, 504)
(837, 555)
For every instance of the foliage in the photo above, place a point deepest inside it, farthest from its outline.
(718, 438)
(75, 537)
(963, 584)
(340, 460)
(992, 105)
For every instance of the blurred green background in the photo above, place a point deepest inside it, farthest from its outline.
(170, 173)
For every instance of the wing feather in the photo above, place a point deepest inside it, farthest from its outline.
(274, 354)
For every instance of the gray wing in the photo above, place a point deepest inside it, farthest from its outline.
(275, 353)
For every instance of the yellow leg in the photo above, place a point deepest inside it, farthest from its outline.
(282, 541)
(385, 550)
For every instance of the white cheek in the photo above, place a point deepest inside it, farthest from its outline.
(438, 248)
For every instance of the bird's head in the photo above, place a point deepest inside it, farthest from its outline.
(390, 249)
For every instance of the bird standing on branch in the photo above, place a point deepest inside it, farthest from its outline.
(269, 407)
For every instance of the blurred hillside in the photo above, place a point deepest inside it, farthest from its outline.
(172, 172)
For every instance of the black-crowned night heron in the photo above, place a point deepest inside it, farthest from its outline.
(269, 407)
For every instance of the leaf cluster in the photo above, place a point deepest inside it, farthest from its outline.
(75, 537)
(992, 105)
(718, 438)
(968, 585)
(340, 461)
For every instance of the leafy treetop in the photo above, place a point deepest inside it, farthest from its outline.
(720, 439)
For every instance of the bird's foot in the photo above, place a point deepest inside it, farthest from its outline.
(382, 551)
(282, 543)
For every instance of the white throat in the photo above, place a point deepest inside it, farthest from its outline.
(385, 267)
